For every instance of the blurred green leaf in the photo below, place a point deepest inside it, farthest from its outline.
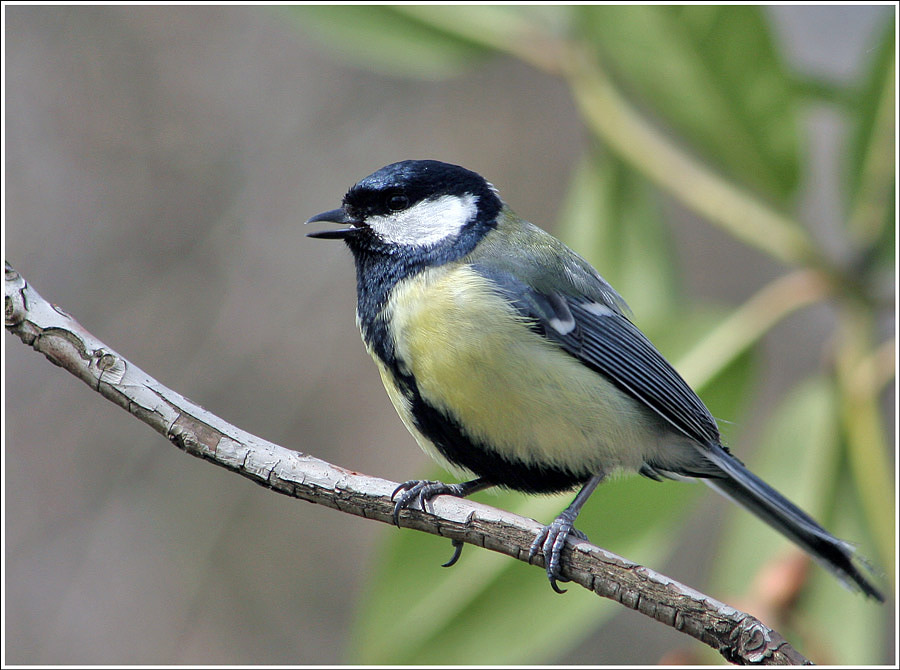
(870, 166)
(492, 609)
(864, 429)
(886, 245)
(611, 217)
(814, 89)
(495, 27)
(386, 39)
(841, 627)
(876, 85)
(713, 73)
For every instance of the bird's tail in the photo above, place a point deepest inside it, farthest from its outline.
(745, 488)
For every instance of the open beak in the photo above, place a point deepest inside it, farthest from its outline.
(338, 216)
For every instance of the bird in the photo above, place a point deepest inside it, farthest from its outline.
(508, 356)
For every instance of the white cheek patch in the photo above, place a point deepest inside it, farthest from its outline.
(427, 222)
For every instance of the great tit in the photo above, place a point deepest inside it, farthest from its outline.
(508, 355)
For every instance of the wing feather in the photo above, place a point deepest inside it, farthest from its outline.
(605, 340)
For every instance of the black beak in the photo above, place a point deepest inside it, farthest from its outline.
(338, 216)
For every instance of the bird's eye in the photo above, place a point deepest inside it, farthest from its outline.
(398, 202)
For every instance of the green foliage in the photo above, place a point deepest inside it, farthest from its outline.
(713, 78)
(878, 84)
(870, 165)
(712, 72)
(386, 40)
(838, 626)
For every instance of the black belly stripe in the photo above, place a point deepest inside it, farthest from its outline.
(462, 451)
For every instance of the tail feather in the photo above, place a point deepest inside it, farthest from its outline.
(752, 493)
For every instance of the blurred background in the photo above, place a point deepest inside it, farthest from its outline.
(159, 163)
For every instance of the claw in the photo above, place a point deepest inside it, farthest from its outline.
(556, 588)
(551, 541)
(410, 493)
(405, 485)
(457, 552)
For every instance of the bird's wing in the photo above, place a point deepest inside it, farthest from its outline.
(597, 333)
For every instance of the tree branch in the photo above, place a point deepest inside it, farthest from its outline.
(739, 637)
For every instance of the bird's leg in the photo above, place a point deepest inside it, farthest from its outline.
(422, 492)
(552, 539)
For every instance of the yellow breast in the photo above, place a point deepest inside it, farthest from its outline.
(475, 358)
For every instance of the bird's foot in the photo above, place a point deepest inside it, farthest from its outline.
(551, 541)
(420, 492)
